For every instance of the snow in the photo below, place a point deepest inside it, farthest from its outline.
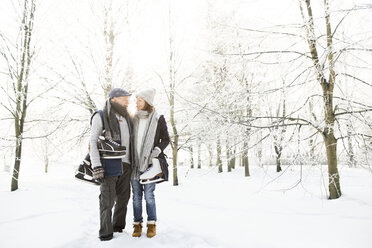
(207, 209)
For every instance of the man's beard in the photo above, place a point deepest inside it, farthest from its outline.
(119, 109)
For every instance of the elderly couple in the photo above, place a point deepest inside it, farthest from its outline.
(145, 136)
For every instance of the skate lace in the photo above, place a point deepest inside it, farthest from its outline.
(113, 142)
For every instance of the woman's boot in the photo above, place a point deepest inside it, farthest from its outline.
(137, 229)
(151, 229)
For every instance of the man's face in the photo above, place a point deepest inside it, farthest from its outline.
(122, 100)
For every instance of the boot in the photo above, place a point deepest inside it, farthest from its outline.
(137, 229)
(151, 229)
(107, 237)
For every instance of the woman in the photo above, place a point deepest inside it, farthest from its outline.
(151, 138)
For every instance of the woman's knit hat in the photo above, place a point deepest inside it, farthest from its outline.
(147, 95)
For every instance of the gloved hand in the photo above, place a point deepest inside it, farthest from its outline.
(155, 153)
(98, 173)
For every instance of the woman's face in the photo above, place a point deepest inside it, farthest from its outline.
(140, 103)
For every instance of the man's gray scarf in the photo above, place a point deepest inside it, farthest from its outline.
(112, 129)
(142, 160)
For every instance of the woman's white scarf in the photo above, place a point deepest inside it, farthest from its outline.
(142, 160)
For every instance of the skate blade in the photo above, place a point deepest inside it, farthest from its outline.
(113, 157)
(142, 177)
(88, 181)
(148, 181)
(81, 174)
(82, 178)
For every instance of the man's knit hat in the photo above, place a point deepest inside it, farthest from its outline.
(147, 95)
(118, 92)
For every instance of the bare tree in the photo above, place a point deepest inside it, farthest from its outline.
(180, 138)
(327, 86)
(279, 131)
(19, 64)
(323, 57)
(110, 19)
(171, 93)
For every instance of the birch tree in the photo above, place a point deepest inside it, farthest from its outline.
(19, 63)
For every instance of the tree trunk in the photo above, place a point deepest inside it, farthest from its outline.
(246, 165)
(20, 88)
(278, 164)
(312, 151)
(228, 155)
(46, 156)
(175, 155)
(17, 164)
(172, 86)
(327, 89)
(46, 163)
(259, 151)
(175, 139)
(333, 176)
(19, 141)
(210, 155)
(191, 158)
(246, 160)
(351, 156)
(278, 151)
(219, 161)
(330, 140)
(312, 139)
(242, 159)
(232, 160)
(199, 156)
(331, 143)
(45, 145)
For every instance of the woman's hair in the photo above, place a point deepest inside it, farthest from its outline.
(148, 107)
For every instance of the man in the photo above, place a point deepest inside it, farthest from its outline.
(116, 173)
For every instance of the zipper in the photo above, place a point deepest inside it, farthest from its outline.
(121, 160)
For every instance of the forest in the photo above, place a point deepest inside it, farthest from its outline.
(241, 84)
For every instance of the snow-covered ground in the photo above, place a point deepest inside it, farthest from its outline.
(207, 209)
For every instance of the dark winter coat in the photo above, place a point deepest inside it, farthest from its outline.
(161, 140)
(113, 167)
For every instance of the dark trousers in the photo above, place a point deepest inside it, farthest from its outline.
(114, 190)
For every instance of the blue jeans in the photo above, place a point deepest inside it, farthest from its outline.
(138, 190)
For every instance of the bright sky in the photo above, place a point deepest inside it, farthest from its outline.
(72, 26)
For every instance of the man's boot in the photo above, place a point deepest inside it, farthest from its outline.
(151, 229)
(137, 229)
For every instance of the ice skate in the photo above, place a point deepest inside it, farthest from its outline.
(152, 174)
(85, 172)
(109, 149)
